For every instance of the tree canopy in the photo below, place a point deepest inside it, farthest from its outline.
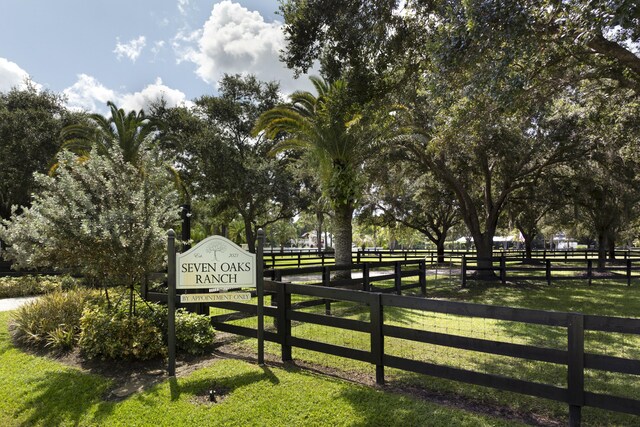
(30, 124)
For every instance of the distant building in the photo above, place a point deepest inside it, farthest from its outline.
(310, 240)
(561, 242)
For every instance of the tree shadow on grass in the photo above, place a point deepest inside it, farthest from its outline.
(390, 409)
(198, 386)
(63, 397)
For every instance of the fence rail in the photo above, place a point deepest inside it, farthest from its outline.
(294, 258)
(621, 270)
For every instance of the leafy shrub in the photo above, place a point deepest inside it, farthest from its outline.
(22, 286)
(100, 217)
(194, 333)
(53, 319)
(113, 334)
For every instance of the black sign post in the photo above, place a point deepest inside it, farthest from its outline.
(207, 272)
(171, 301)
(260, 292)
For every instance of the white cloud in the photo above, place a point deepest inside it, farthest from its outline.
(87, 93)
(182, 6)
(183, 45)
(237, 40)
(153, 92)
(157, 46)
(11, 75)
(131, 49)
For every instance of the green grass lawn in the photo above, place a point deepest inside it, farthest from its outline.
(41, 392)
(574, 296)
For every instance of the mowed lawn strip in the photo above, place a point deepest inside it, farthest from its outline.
(39, 391)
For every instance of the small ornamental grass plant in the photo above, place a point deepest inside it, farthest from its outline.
(64, 320)
(53, 320)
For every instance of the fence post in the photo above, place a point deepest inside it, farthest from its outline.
(366, 285)
(358, 255)
(629, 272)
(377, 338)
(589, 270)
(575, 379)
(260, 291)
(398, 277)
(422, 266)
(503, 269)
(326, 279)
(284, 323)
(464, 271)
(171, 302)
(548, 272)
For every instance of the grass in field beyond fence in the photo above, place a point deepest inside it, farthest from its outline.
(41, 392)
(573, 296)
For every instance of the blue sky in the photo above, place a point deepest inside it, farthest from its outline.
(133, 51)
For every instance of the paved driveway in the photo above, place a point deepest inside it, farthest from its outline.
(7, 304)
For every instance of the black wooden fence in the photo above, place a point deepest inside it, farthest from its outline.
(548, 270)
(300, 258)
(369, 275)
(573, 356)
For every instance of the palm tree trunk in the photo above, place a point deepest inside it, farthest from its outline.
(342, 229)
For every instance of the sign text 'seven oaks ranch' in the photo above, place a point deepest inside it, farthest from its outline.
(216, 263)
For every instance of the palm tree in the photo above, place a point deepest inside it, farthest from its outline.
(327, 129)
(130, 131)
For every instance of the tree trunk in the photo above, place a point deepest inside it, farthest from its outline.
(484, 251)
(602, 250)
(611, 242)
(248, 232)
(319, 217)
(528, 242)
(342, 229)
(527, 248)
(440, 250)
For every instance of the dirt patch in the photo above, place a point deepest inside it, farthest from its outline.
(211, 395)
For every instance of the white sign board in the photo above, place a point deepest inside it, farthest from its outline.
(216, 263)
(221, 297)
